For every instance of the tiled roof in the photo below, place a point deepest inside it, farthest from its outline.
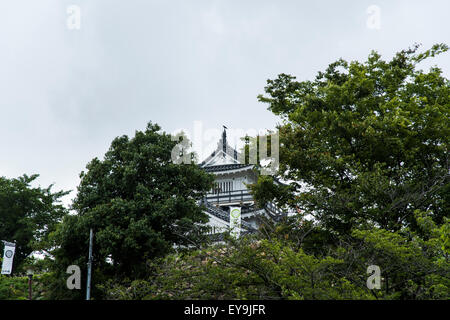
(223, 215)
(225, 167)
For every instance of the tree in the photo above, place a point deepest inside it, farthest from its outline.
(260, 270)
(28, 215)
(364, 148)
(298, 259)
(364, 143)
(140, 204)
(16, 288)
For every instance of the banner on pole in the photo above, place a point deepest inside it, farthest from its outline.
(8, 256)
(235, 222)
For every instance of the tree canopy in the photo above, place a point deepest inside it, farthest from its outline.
(139, 203)
(365, 143)
(28, 215)
(300, 260)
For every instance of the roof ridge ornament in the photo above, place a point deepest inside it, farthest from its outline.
(224, 140)
(224, 153)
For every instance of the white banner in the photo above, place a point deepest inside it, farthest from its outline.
(235, 221)
(8, 256)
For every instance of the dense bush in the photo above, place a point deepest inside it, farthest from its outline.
(283, 265)
(16, 287)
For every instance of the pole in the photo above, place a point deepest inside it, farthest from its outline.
(30, 277)
(88, 286)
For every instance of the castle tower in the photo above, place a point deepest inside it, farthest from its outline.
(231, 189)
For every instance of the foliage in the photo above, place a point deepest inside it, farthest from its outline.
(16, 288)
(364, 143)
(283, 264)
(139, 204)
(267, 271)
(28, 215)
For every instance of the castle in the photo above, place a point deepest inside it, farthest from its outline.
(230, 190)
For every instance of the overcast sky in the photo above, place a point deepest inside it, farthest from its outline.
(65, 93)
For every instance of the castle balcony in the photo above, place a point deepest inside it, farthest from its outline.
(236, 197)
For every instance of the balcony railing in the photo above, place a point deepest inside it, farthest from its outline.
(229, 196)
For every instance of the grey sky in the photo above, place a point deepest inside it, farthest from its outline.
(65, 94)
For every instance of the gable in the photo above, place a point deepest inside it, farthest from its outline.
(220, 158)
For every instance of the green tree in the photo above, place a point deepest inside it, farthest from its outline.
(28, 215)
(140, 204)
(16, 288)
(412, 268)
(364, 143)
(265, 269)
(299, 259)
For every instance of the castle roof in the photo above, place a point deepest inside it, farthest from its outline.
(223, 155)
